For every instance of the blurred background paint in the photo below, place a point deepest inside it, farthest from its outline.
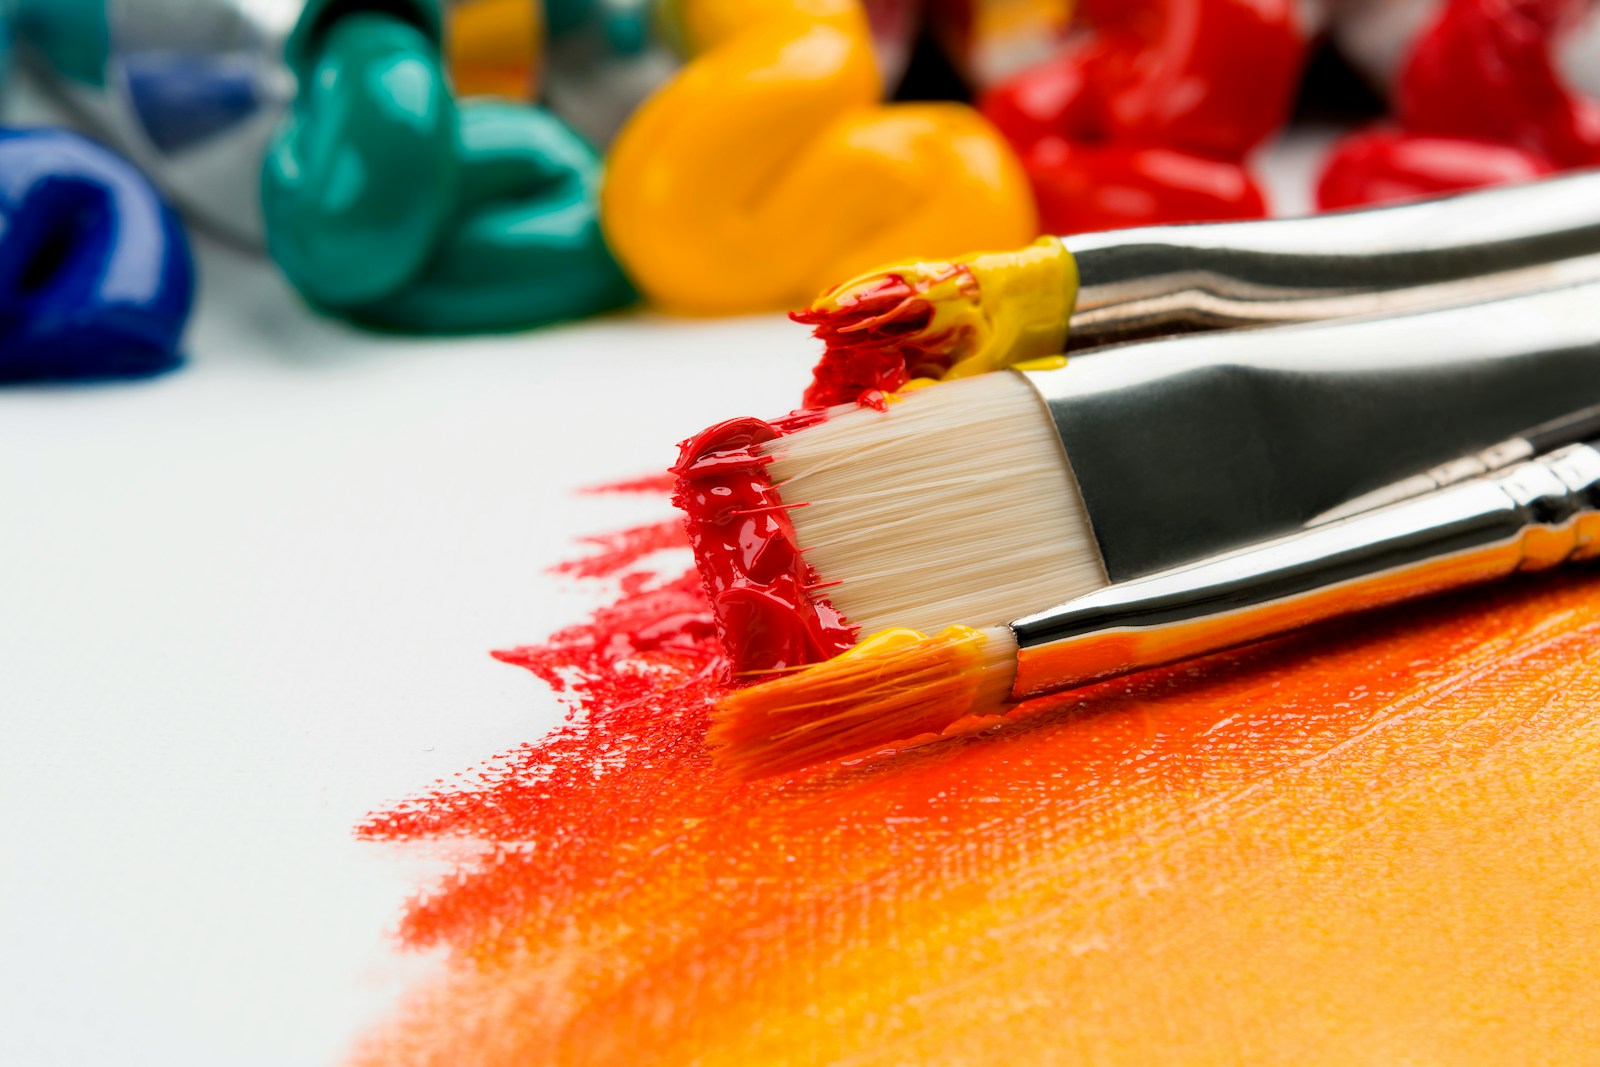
(433, 165)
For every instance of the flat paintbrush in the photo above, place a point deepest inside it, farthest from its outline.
(955, 318)
(976, 500)
(902, 684)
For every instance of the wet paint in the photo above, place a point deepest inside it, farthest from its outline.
(912, 324)
(1480, 99)
(1148, 116)
(770, 147)
(1382, 829)
(770, 606)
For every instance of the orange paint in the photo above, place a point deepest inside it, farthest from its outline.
(1375, 842)
(494, 47)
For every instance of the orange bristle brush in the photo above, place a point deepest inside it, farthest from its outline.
(900, 685)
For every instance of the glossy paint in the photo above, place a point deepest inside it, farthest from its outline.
(769, 148)
(1389, 165)
(770, 609)
(1480, 98)
(916, 323)
(1148, 117)
(1373, 841)
(390, 202)
(96, 277)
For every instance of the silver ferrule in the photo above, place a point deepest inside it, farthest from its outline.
(1163, 280)
(1530, 517)
(1193, 446)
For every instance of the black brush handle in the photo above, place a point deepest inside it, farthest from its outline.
(1530, 517)
(1196, 445)
(1164, 280)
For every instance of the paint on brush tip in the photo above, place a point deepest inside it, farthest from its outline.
(769, 609)
(927, 321)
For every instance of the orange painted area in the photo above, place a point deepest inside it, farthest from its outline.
(1376, 842)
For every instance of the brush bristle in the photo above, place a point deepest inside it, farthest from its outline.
(956, 505)
(892, 687)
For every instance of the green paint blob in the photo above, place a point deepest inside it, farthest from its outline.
(390, 203)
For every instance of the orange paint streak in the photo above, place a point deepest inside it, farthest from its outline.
(1374, 842)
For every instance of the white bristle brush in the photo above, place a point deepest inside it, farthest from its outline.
(976, 500)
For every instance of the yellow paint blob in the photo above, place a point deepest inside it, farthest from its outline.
(766, 168)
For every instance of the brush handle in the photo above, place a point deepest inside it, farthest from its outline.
(1537, 441)
(1163, 280)
(1191, 446)
(1533, 516)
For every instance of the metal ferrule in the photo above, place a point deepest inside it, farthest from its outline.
(1162, 280)
(1193, 446)
(1533, 516)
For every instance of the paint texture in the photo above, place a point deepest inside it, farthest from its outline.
(1373, 842)
(771, 147)
(772, 610)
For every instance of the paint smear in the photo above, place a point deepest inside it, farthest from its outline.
(1375, 842)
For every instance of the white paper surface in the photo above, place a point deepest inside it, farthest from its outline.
(243, 605)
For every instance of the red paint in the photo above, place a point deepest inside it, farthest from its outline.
(616, 552)
(1479, 101)
(1084, 188)
(877, 340)
(649, 483)
(1485, 70)
(1159, 105)
(639, 676)
(1385, 166)
(761, 590)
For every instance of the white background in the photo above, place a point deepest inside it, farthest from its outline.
(243, 605)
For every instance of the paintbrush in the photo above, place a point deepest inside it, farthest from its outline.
(977, 500)
(954, 318)
(901, 684)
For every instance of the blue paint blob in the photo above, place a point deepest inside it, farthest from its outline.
(96, 276)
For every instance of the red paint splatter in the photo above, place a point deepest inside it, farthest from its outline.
(617, 552)
(640, 677)
(761, 590)
(649, 483)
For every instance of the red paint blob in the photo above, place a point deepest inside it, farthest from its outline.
(1387, 166)
(1479, 101)
(1148, 118)
(877, 340)
(762, 593)
(1485, 70)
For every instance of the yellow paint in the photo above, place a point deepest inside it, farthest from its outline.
(1047, 363)
(993, 309)
(766, 168)
(494, 46)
